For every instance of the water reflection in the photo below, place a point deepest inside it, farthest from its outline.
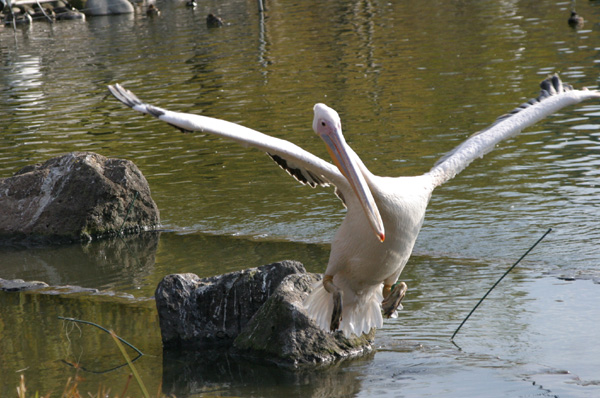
(106, 264)
(516, 323)
(30, 328)
(188, 374)
(24, 77)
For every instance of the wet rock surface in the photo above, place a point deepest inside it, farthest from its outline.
(281, 331)
(210, 312)
(255, 313)
(79, 196)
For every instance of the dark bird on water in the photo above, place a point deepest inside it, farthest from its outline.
(212, 21)
(575, 20)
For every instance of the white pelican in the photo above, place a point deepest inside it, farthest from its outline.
(384, 214)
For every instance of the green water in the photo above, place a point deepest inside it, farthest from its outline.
(410, 80)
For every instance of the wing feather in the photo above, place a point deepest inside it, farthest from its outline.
(302, 165)
(554, 96)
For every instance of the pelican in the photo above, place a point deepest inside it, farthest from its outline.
(384, 214)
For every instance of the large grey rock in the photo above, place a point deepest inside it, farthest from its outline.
(256, 313)
(108, 7)
(76, 197)
(281, 331)
(211, 312)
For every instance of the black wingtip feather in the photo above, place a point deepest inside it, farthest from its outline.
(124, 95)
(552, 85)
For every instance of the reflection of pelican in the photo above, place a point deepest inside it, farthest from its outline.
(384, 214)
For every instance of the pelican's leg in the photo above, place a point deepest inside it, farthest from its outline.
(392, 297)
(336, 315)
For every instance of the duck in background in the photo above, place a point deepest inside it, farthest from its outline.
(575, 20)
(152, 11)
(212, 21)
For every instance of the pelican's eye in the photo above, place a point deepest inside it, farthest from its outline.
(323, 123)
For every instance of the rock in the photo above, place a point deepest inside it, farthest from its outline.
(281, 331)
(75, 197)
(211, 312)
(108, 7)
(19, 285)
(39, 287)
(256, 313)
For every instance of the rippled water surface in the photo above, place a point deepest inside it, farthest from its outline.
(410, 80)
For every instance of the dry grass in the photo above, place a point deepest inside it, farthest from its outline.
(71, 390)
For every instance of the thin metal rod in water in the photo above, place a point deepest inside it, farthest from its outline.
(497, 282)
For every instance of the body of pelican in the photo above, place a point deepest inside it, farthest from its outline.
(384, 216)
(360, 265)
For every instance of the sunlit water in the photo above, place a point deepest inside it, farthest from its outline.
(410, 82)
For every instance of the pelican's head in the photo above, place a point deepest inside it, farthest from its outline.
(328, 126)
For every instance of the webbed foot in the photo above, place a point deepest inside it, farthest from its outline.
(393, 299)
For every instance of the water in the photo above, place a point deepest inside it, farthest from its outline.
(410, 80)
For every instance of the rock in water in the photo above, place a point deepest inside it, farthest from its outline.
(281, 331)
(256, 313)
(211, 312)
(76, 197)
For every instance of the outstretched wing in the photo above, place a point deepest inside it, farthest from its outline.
(300, 164)
(554, 96)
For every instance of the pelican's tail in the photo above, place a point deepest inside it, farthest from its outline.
(360, 312)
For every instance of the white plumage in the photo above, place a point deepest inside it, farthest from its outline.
(376, 238)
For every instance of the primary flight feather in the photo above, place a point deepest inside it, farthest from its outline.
(385, 214)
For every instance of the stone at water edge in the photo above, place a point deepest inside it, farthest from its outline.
(255, 313)
(281, 331)
(210, 312)
(76, 197)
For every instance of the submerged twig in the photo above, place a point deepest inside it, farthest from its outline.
(109, 332)
(498, 281)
